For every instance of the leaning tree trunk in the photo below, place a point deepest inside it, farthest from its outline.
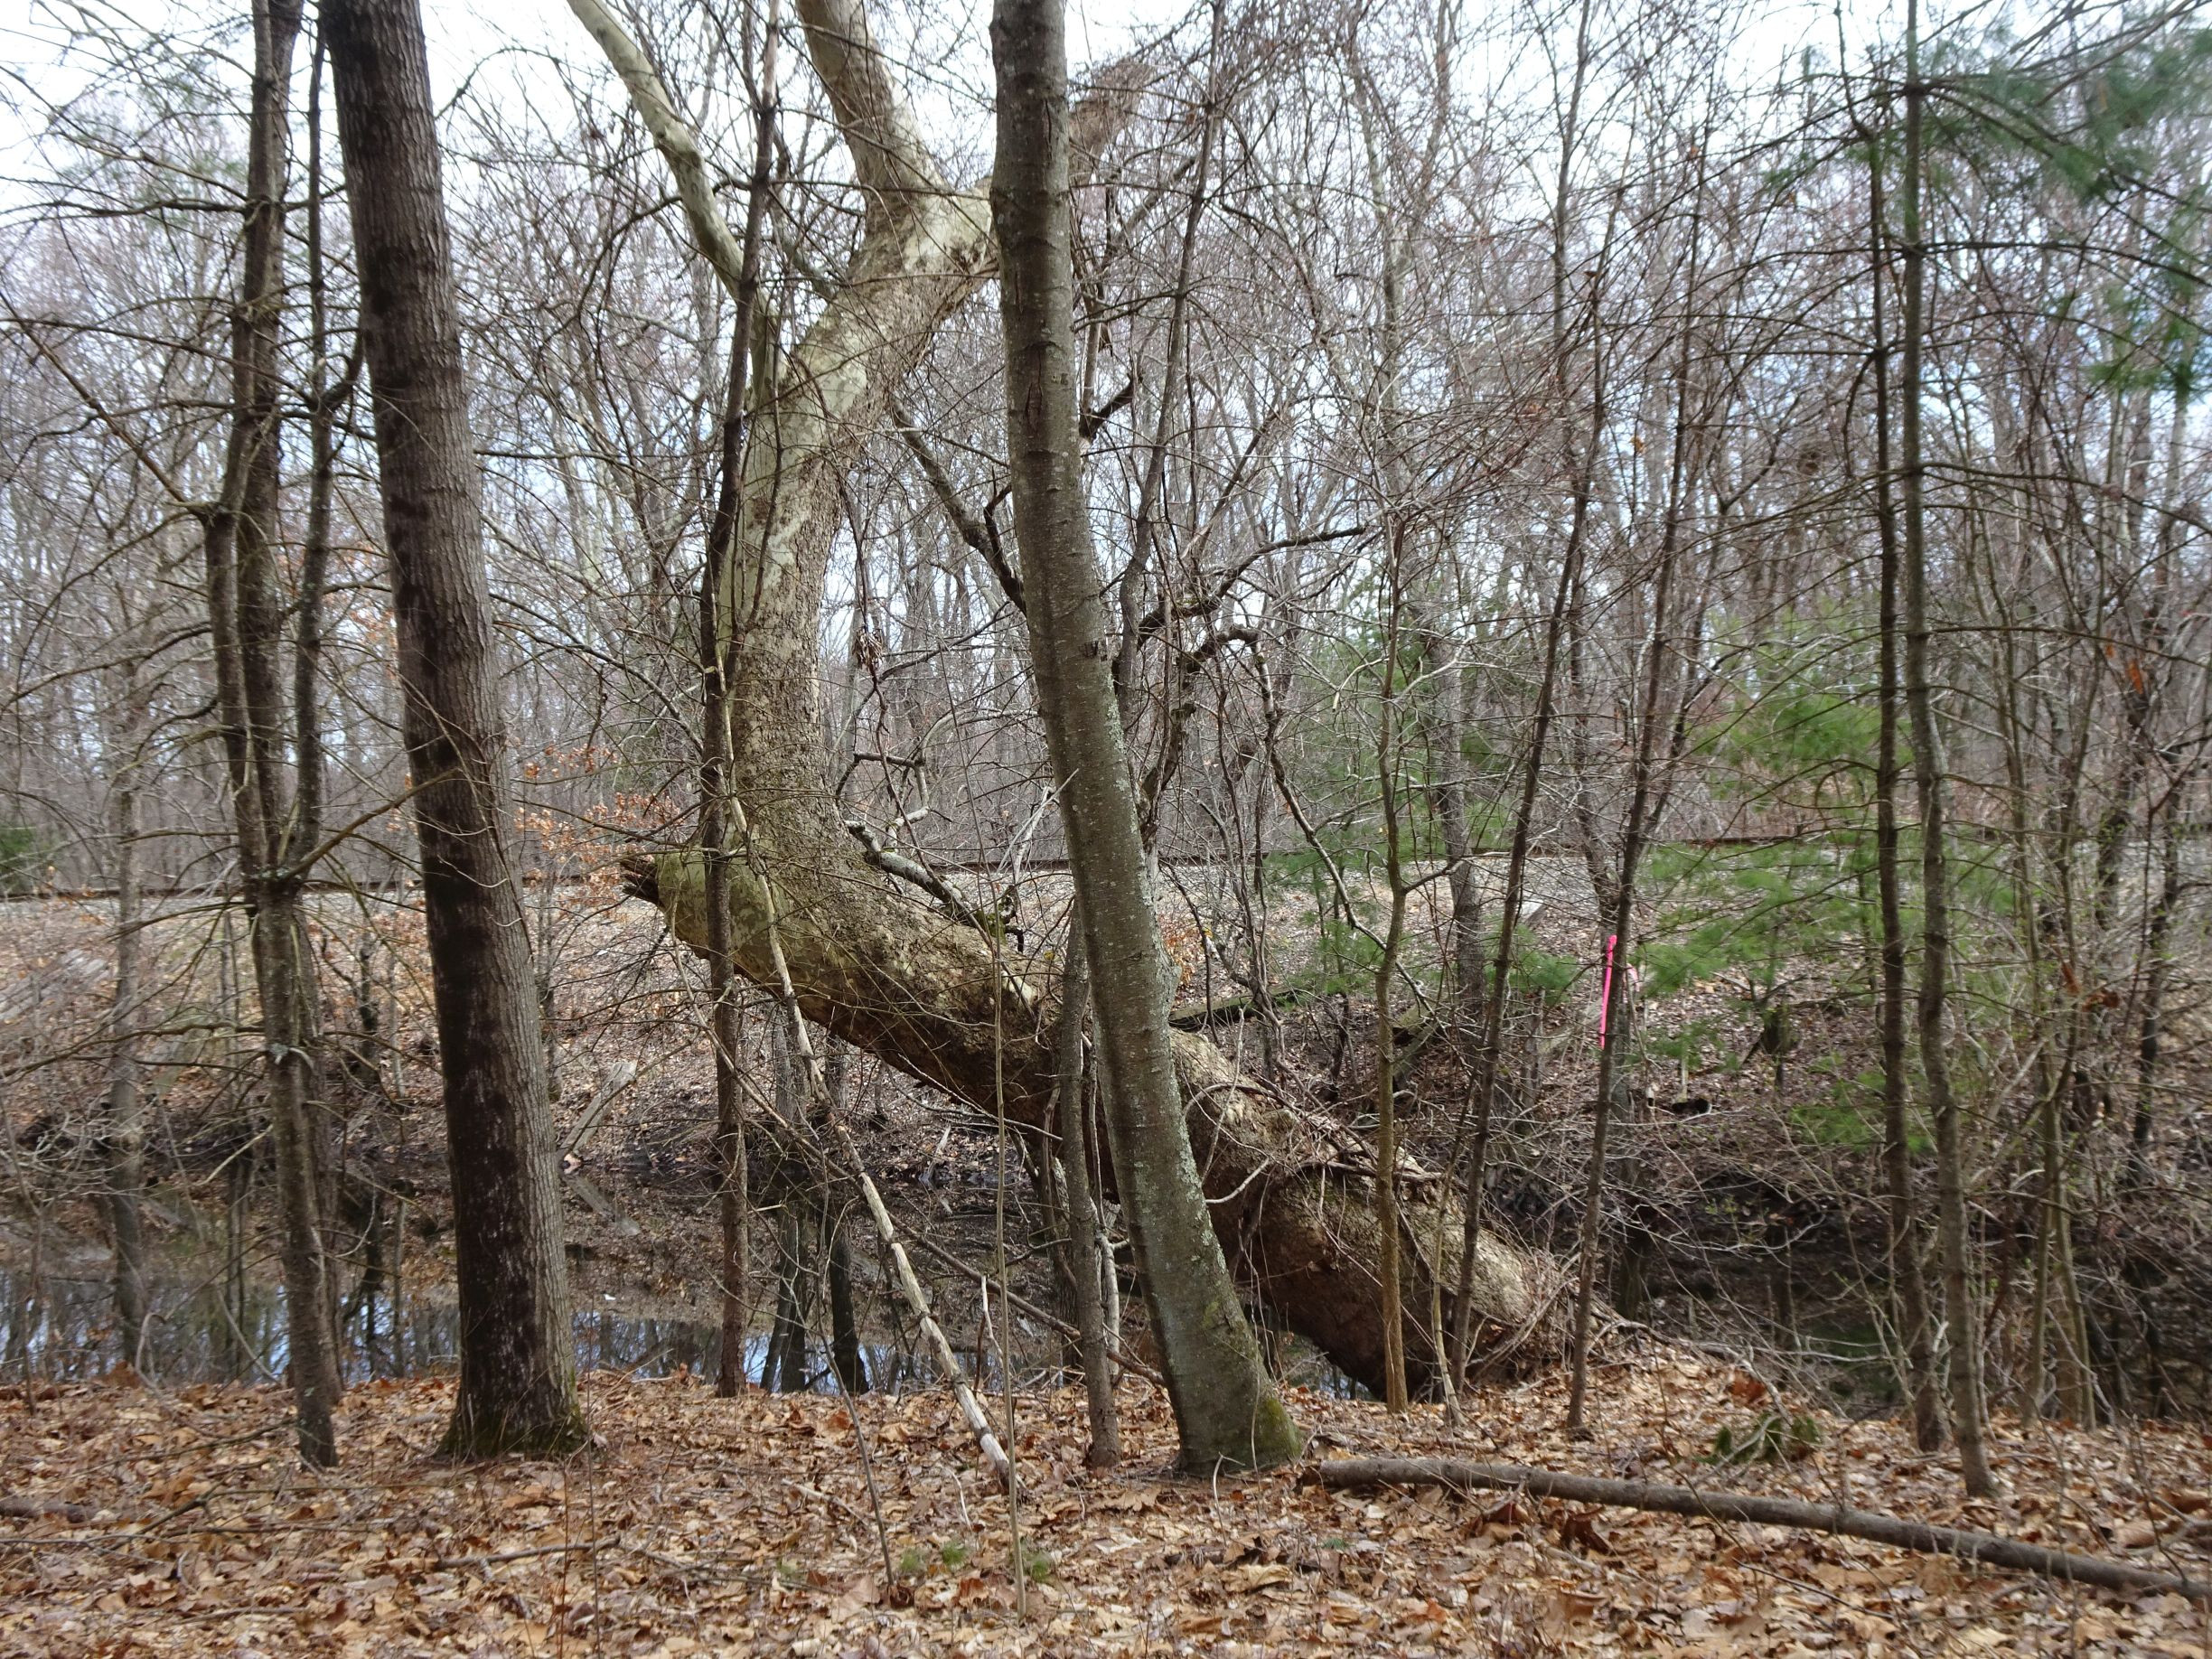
(876, 964)
(518, 1366)
(1226, 1408)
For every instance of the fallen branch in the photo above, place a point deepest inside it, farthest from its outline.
(1122, 1356)
(902, 1269)
(582, 1546)
(917, 1303)
(1899, 1533)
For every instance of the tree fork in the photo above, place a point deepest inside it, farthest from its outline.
(872, 963)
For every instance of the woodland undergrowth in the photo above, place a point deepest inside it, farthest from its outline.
(137, 1520)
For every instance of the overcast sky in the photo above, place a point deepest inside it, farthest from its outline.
(506, 43)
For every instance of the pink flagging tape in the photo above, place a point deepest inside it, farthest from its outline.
(1605, 997)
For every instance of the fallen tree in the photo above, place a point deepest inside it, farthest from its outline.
(937, 995)
(1920, 1536)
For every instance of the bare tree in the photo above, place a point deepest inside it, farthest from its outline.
(518, 1365)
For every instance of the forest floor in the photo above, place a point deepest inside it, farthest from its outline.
(144, 1521)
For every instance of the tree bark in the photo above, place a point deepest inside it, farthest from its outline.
(125, 1098)
(245, 626)
(518, 1365)
(1226, 1408)
(1387, 1264)
(1967, 1415)
(1490, 1053)
(881, 967)
(1917, 1331)
(1613, 1023)
(1068, 1137)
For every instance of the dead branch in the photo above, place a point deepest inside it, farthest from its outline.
(1894, 1531)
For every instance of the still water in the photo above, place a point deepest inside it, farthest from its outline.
(57, 1323)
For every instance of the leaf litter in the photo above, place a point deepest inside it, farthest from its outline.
(144, 1522)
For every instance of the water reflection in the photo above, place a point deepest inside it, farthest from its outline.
(211, 1320)
(59, 1323)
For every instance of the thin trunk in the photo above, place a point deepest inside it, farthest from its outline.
(518, 1366)
(1612, 1027)
(2157, 951)
(845, 1356)
(1452, 804)
(126, 1101)
(245, 628)
(2164, 818)
(1916, 1328)
(1516, 881)
(1068, 1133)
(323, 403)
(786, 1367)
(832, 1269)
(1386, 1033)
(1951, 1224)
(724, 534)
(304, 838)
(1226, 1408)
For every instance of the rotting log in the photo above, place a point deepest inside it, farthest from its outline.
(1919, 1536)
(896, 977)
(925, 992)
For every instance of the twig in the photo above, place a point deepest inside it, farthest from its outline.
(1892, 1529)
(1121, 1351)
(446, 1562)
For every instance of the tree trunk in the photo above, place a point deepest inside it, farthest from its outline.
(1225, 1406)
(734, 1200)
(2158, 966)
(880, 966)
(845, 1356)
(785, 1368)
(518, 1365)
(1386, 1029)
(1916, 1329)
(245, 622)
(1613, 1021)
(126, 1101)
(1951, 1225)
(1068, 1135)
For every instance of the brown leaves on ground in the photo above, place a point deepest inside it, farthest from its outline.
(149, 1522)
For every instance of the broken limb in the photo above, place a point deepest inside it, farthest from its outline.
(1919, 1536)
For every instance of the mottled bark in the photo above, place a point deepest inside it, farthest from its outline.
(1226, 1409)
(518, 1368)
(881, 967)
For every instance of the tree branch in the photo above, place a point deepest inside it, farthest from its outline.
(1834, 1518)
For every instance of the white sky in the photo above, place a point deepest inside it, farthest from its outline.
(47, 58)
(506, 43)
